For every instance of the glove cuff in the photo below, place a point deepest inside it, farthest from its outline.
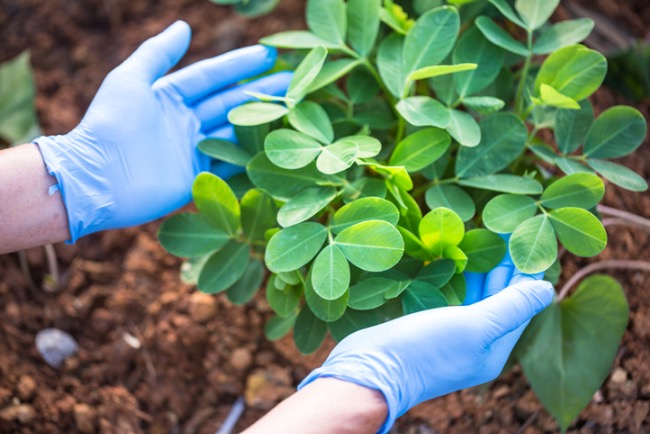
(86, 198)
(362, 380)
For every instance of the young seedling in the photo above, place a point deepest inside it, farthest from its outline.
(407, 152)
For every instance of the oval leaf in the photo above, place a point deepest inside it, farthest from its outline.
(423, 111)
(505, 212)
(420, 149)
(309, 332)
(372, 245)
(533, 246)
(217, 202)
(295, 246)
(441, 228)
(224, 268)
(190, 235)
(330, 275)
(305, 205)
(361, 210)
(484, 250)
(579, 231)
(618, 131)
(256, 113)
(452, 197)
(310, 118)
(582, 190)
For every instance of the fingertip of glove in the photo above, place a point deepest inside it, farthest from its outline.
(179, 29)
(539, 292)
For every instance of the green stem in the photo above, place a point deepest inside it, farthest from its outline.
(524, 74)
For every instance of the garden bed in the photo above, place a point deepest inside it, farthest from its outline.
(158, 357)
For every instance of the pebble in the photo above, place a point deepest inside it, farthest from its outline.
(23, 413)
(619, 376)
(26, 387)
(241, 359)
(84, 418)
(55, 346)
(202, 307)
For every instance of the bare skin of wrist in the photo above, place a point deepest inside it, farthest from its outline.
(29, 216)
(327, 405)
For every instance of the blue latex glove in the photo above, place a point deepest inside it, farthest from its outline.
(133, 157)
(431, 353)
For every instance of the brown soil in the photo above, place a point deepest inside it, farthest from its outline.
(197, 354)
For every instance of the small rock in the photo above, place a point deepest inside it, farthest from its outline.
(84, 418)
(619, 376)
(202, 307)
(501, 392)
(241, 359)
(55, 346)
(23, 413)
(26, 387)
(265, 388)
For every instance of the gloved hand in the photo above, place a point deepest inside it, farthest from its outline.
(431, 353)
(133, 157)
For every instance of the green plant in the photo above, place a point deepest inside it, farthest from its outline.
(250, 8)
(18, 121)
(401, 156)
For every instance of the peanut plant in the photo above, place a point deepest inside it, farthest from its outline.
(409, 150)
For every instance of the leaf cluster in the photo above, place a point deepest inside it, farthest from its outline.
(406, 152)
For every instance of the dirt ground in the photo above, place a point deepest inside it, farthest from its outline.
(155, 355)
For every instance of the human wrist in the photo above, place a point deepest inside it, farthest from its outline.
(85, 199)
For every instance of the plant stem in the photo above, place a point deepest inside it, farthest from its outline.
(619, 264)
(524, 74)
(51, 284)
(632, 218)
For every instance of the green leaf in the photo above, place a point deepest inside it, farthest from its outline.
(298, 39)
(18, 120)
(505, 212)
(368, 146)
(568, 350)
(443, 86)
(190, 235)
(258, 214)
(500, 37)
(579, 231)
(270, 98)
(504, 183)
(330, 275)
(251, 138)
(290, 149)
(225, 151)
(457, 255)
(570, 166)
(364, 187)
(217, 202)
(464, 128)
(619, 175)
(295, 246)
(256, 8)
(256, 113)
(484, 250)
(410, 213)
(363, 24)
(535, 13)
(437, 273)
(283, 301)
(552, 98)
(337, 157)
(503, 138)
(281, 183)
(224, 267)
(327, 19)
(393, 16)
(421, 296)
(309, 332)
(244, 289)
(305, 205)
(391, 65)
(423, 111)
(361, 210)
(326, 310)
(452, 197)
(332, 71)
(395, 175)
(582, 190)
(352, 321)
(369, 293)
(308, 69)
(278, 327)
(473, 47)
(483, 104)
(361, 86)
(533, 246)
(441, 228)
(618, 131)
(562, 34)
(504, 7)
(373, 245)
(432, 38)
(420, 149)
(455, 290)
(574, 71)
(438, 70)
(310, 118)
(572, 126)
(191, 269)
